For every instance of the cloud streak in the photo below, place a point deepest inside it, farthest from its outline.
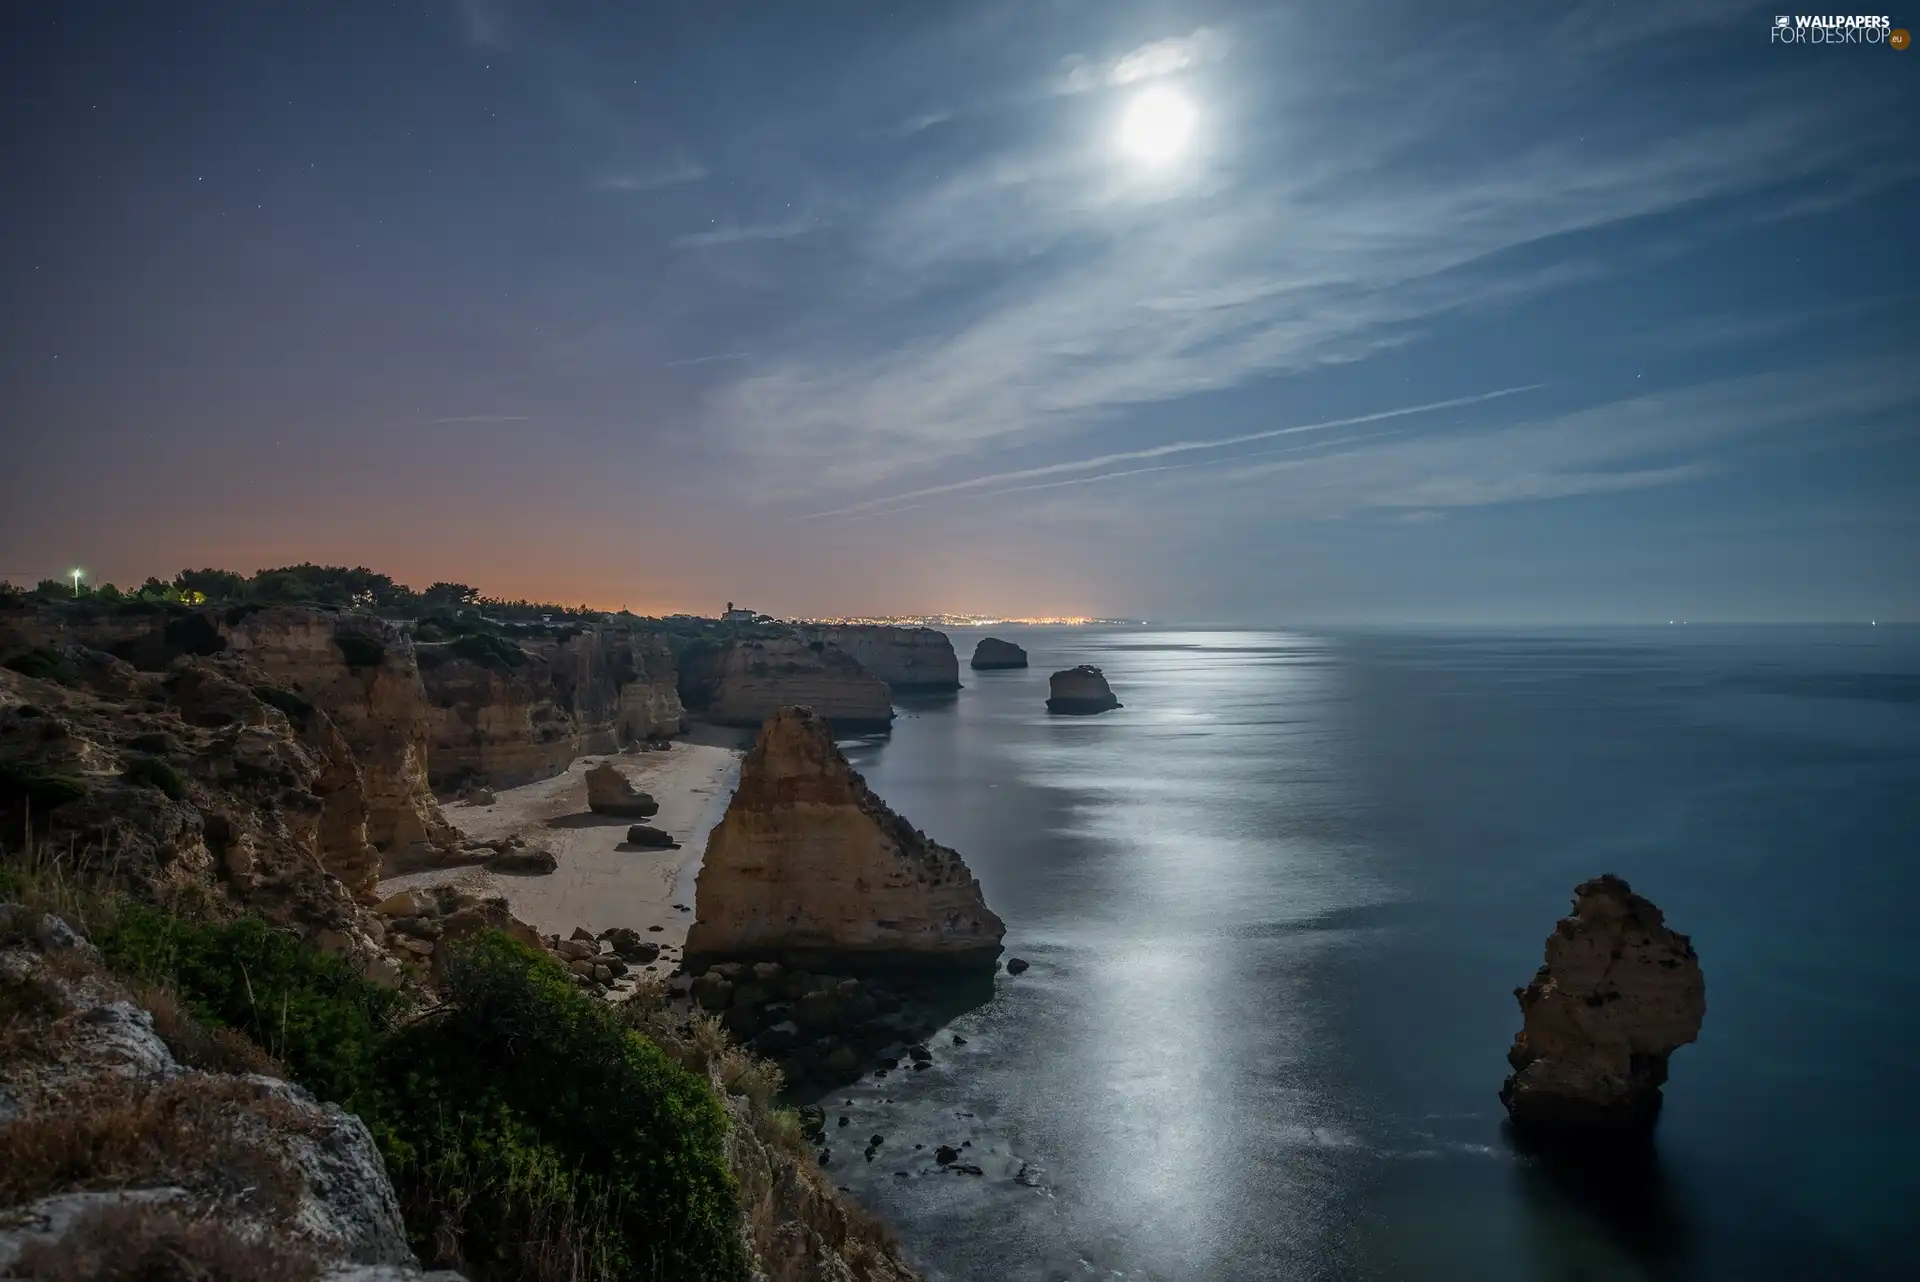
(742, 233)
(1174, 447)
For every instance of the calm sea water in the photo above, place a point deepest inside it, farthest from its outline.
(1276, 908)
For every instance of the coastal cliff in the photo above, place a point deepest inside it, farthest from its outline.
(809, 866)
(364, 674)
(904, 658)
(1618, 993)
(743, 682)
(507, 711)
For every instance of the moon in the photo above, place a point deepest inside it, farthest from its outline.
(1156, 126)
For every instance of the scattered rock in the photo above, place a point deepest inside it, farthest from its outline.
(959, 1040)
(533, 862)
(1618, 994)
(609, 792)
(1015, 965)
(582, 934)
(478, 796)
(945, 1155)
(653, 838)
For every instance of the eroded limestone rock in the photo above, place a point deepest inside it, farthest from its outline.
(1080, 691)
(809, 863)
(1618, 994)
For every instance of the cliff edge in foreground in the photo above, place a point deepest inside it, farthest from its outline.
(1618, 994)
(809, 865)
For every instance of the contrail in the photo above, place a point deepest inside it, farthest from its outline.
(1172, 447)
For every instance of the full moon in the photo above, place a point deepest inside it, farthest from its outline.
(1156, 126)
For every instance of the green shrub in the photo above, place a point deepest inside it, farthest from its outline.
(540, 1106)
(155, 773)
(40, 789)
(493, 652)
(360, 650)
(306, 1009)
(44, 664)
(530, 1132)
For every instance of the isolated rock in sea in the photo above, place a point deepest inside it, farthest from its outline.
(904, 658)
(1080, 691)
(993, 653)
(809, 864)
(1618, 994)
(609, 792)
(749, 680)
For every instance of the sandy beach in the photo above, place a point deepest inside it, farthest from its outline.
(598, 883)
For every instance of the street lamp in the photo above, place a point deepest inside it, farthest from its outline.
(76, 580)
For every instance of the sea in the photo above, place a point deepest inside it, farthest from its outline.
(1276, 908)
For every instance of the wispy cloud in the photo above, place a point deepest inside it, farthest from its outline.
(1150, 61)
(709, 360)
(738, 233)
(637, 180)
(476, 418)
(1173, 447)
(1038, 288)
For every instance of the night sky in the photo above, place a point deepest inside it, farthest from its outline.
(1379, 312)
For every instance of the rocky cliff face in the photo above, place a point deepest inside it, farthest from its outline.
(1619, 993)
(1080, 691)
(993, 653)
(204, 779)
(745, 682)
(904, 658)
(809, 867)
(509, 712)
(363, 673)
(186, 1166)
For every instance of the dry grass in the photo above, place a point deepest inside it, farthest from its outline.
(123, 1133)
(211, 1050)
(146, 1243)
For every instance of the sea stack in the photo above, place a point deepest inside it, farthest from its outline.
(810, 868)
(993, 653)
(1619, 993)
(1080, 691)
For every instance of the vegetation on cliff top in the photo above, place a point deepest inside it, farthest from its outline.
(529, 1130)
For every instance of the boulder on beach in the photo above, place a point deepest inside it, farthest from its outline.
(610, 792)
(523, 861)
(647, 835)
(1080, 691)
(1618, 994)
(475, 795)
(993, 653)
(809, 864)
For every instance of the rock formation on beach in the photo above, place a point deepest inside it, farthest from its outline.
(1619, 993)
(746, 681)
(510, 709)
(809, 865)
(1080, 691)
(904, 658)
(610, 792)
(993, 653)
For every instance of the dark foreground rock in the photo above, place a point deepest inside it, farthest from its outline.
(1080, 691)
(1618, 994)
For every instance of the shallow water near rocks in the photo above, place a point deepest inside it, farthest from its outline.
(1276, 907)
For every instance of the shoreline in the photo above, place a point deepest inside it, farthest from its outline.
(598, 883)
